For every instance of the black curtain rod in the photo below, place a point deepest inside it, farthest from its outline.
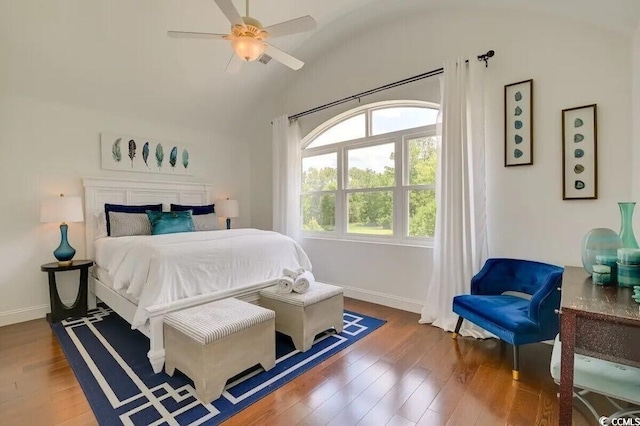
(484, 57)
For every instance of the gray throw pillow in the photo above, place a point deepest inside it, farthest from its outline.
(206, 222)
(126, 224)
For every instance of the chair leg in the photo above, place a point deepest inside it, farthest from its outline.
(457, 330)
(516, 365)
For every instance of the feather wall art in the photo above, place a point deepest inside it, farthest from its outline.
(173, 157)
(185, 158)
(147, 157)
(116, 152)
(159, 155)
(145, 154)
(132, 151)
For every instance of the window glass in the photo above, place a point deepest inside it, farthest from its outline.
(422, 213)
(392, 119)
(320, 172)
(371, 213)
(423, 160)
(351, 128)
(318, 212)
(372, 166)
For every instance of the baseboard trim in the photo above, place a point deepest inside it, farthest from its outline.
(16, 316)
(35, 312)
(384, 299)
(23, 314)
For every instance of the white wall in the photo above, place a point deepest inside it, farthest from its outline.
(571, 63)
(635, 112)
(47, 148)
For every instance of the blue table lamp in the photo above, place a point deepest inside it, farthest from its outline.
(228, 208)
(62, 209)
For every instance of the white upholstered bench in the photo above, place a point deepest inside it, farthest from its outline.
(302, 316)
(213, 342)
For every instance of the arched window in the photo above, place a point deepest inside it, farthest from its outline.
(370, 174)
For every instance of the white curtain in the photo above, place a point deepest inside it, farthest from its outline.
(460, 246)
(287, 168)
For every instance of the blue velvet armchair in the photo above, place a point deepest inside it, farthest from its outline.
(515, 319)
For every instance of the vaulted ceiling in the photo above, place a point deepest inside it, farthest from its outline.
(115, 56)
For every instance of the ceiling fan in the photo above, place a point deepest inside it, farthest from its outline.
(248, 37)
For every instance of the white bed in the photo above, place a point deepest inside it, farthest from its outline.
(246, 260)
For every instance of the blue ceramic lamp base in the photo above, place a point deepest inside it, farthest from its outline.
(64, 253)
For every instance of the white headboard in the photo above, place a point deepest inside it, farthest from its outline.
(98, 191)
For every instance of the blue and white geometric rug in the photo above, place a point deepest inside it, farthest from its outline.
(110, 361)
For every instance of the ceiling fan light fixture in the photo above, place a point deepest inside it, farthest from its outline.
(248, 48)
(248, 37)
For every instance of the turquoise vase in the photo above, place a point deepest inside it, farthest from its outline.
(626, 225)
(64, 253)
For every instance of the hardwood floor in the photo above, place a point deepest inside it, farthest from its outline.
(402, 374)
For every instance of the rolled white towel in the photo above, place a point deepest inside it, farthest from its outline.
(292, 273)
(302, 283)
(285, 285)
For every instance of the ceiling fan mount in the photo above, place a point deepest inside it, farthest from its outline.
(248, 36)
(250, 22)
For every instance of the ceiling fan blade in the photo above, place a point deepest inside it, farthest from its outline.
(298, 25)
(190, 34)
(283, 57)
(230, 11)
(234, 65)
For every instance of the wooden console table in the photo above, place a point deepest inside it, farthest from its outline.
(601, 322)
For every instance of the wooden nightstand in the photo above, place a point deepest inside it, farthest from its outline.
(59, 310)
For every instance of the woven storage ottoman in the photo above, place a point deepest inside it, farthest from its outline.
(302, 316)
(213, 342)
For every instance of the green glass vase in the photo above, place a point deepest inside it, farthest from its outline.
(626, 225)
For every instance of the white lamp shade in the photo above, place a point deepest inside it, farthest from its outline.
(61, 209)
(228, 208)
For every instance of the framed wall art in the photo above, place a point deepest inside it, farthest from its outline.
(518, 124)
(580, 153)
(145, 155)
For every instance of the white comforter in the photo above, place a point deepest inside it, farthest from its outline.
(164, 268)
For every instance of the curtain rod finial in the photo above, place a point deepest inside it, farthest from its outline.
(485, 57)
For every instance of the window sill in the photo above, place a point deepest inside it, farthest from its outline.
(396, 243)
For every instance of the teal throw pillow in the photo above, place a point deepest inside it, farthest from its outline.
(170, 222)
